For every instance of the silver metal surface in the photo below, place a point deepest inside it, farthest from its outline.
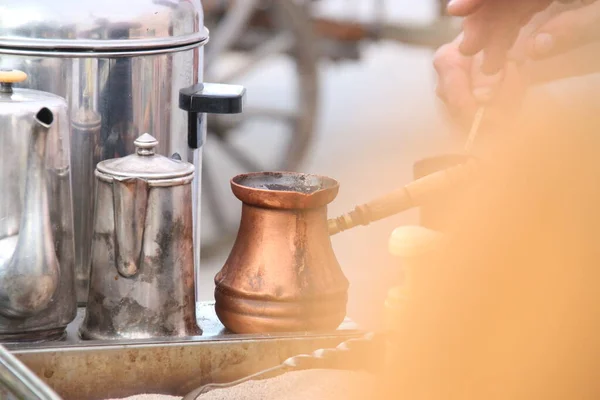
(145, 164)
(18, 51)
(142, 271)
(37, 298)
(29, 277)
(96, 370)
(120, 65)
(20, 383)
(93, 26)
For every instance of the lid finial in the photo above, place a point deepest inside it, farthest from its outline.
(145, 144)
(8, 77)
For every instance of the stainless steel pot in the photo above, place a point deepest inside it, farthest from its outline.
(37, 291)
(121, 65)
(142, 270)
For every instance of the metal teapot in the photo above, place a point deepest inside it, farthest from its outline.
(37, 292)
(142, 270)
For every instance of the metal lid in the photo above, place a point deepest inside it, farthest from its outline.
(14, 100)
(100, 26)
(145, 164)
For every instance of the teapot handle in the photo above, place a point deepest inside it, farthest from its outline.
(130, 196)
(208, 98)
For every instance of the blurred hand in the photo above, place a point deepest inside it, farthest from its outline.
(567, 31)
(493, 26)
(464, 88)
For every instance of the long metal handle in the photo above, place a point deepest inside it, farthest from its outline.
(20, 381)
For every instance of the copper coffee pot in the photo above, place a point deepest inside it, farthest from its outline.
(282, 273)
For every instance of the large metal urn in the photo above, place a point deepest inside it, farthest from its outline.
(125, 68)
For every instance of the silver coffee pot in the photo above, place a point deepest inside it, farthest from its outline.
(37, 254)
(142, 270)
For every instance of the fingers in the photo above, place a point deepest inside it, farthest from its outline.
(567, 31)
(493, 29)
(475, 35)
(510, 90)
(502, 94)
(484, 86)
(454, 82)
(495, 45)
(464, 88)
(462, 8)
(495, 54)
(493, 26)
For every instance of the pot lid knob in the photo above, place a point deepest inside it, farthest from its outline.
(145, 144)
(12, 76)
(8, 77)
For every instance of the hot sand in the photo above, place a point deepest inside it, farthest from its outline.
(300, 385)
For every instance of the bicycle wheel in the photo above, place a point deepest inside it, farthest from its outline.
(277, 62)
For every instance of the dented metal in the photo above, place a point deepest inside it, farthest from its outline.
(142, 271)
(282, 274)
(37, 298)
(29, 279)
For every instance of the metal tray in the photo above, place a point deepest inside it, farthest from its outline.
(98, 370)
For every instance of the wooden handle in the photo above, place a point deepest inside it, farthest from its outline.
(415, 194)
(12, 76)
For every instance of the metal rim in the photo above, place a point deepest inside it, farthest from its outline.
(104, 45)
(157, 181)
(99, 52)
(285, 199)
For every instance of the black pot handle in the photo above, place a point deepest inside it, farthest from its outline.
(209, 98)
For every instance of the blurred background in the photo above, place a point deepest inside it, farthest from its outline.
(343, 88)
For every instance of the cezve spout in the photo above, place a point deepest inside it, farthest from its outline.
(29, 279)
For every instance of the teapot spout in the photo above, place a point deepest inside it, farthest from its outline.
(29, 279)
(130, 196)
